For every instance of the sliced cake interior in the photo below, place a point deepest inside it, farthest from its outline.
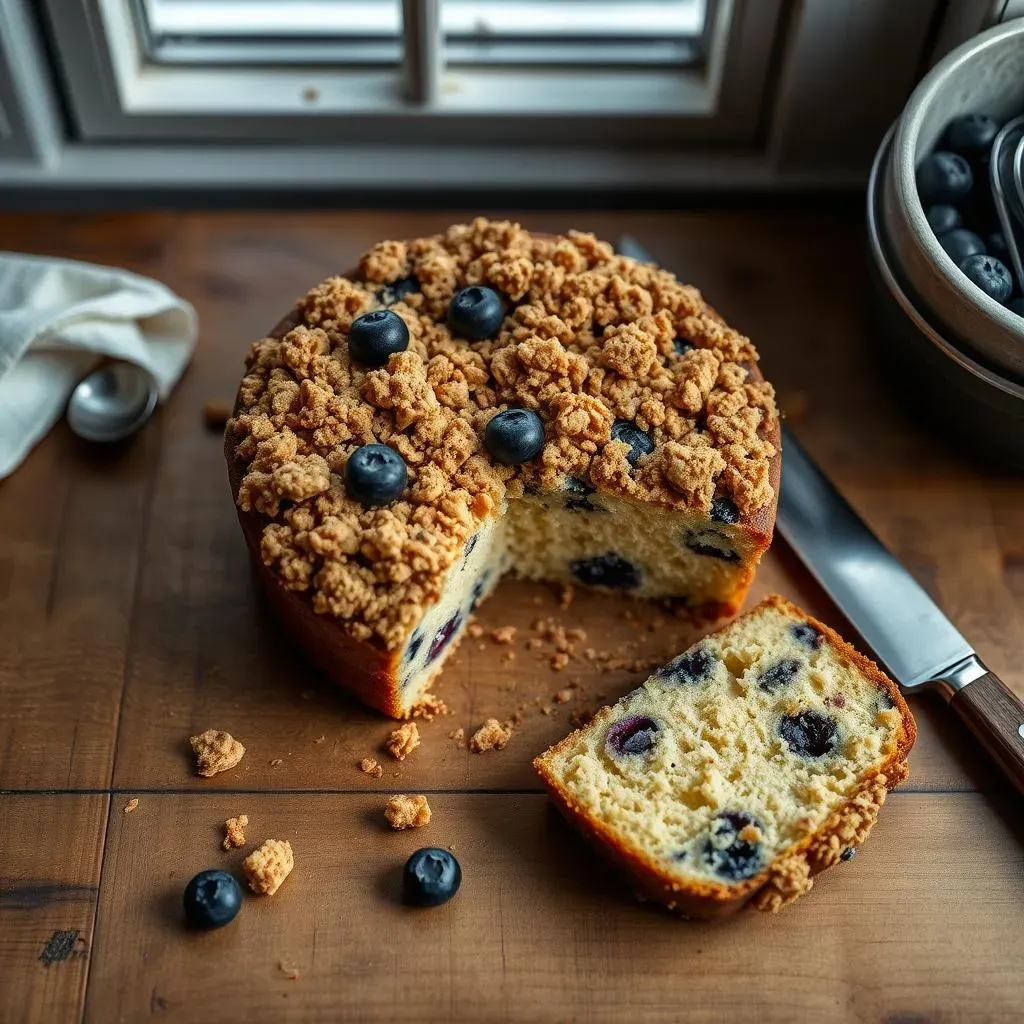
(575, 535)
(753, 760)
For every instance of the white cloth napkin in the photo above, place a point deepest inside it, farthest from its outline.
(58, 319)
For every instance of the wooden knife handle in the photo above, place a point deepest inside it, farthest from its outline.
(996, 716)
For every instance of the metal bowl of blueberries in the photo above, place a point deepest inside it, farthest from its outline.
(946, 237)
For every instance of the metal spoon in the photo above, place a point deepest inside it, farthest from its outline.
(112, 403)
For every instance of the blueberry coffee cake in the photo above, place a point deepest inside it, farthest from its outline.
(489, 400)
(740, 769)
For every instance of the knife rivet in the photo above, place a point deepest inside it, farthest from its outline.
(1020, 730)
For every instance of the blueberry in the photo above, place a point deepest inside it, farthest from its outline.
(431, 877)
(577, 495)
(639, 441)
(724, 510)
(478, 590)
(443, 636)
(476, 312)
(375, 336)
(990, 275)
(514, 436)
(810, 733)
(725, 853)
(606, 571)
(849, 853)
(711, 543)
(692, 667)
(782, 672)
(961, 243)
(804, 633)
(415, 643)
(1016, 306)
(942, 218)
(943, 178)
(995, 245)
(211, 900)
(885, 701)
(397, 290)
(682, 346)
(375, 475)
(970, 135)
(634, 734)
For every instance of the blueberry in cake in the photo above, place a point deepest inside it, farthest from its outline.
(741, 768)
(490, 400)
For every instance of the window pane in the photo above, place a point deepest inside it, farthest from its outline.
(664, 32)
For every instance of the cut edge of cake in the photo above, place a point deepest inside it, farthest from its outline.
(791, 873)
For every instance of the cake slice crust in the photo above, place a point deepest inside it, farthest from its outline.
(741, 768)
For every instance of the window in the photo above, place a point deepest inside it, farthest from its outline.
(532, 72)
(666, 33)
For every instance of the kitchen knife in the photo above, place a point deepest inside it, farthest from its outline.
(908, 632)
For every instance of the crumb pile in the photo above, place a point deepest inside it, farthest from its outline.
(404, 812)
(215, 752)
(267, 867)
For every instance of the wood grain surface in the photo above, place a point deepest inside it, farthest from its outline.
(130, 621)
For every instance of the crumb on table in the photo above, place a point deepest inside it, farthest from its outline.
(320, 739)
(564, 696)
(234, 832)
(216, 413)
(215, 751)
(503, 634)
(429, 707)
(289, 970)
(492, 735)
(459, 735)
(403, 741)
(267, 867)
(131, 805)
(371, 766)
(404, 811)
(475, 630)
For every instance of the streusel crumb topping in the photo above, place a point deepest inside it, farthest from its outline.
(589, 337)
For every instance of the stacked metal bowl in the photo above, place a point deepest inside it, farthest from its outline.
(961, 352)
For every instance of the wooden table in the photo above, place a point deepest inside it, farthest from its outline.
(130, 622)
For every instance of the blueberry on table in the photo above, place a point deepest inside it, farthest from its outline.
(639, 441)
(943, 178)
(942, 218)
(431, 877)
(514, 436)
(211, 899)
(376, 336)
(971, 135)
(1016, 306)
(961, 243)
(476, 312)
(375, 475)
(990, 275)
(634, 734)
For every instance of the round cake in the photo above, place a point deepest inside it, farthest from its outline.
(491, 400)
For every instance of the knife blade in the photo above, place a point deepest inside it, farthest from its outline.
(908, 632)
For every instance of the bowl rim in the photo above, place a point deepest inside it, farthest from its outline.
(904, 148)
(882, 261)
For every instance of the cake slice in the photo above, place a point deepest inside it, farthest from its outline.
(740, 769)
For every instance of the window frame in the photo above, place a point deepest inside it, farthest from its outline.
(116, 96)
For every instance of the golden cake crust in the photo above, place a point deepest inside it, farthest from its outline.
(591, 339)
(790, 875)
